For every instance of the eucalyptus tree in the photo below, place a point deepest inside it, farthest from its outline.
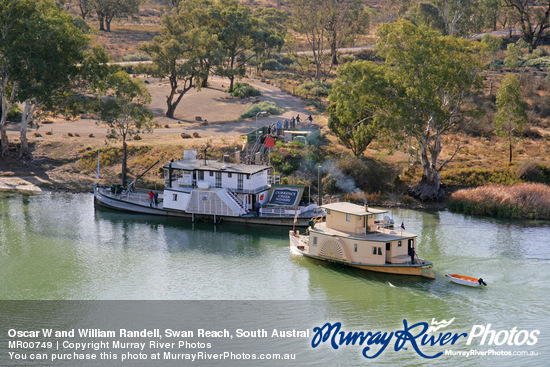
(359, 90)
(107, 10)
(124, 110)
(14, 18)
(179, 52)
(492, 45)
(511, 113)
(309, 17)
(238, 34)
(533, 18)
(432, 75)
(47, 70)
(272, 29)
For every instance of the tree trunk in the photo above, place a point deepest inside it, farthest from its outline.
(101, 20)
(510, 152)
(231, 82)
(108, 24)
(24, 151)
(4, 142)
(171, 110)
(429, 188)
(124, 156)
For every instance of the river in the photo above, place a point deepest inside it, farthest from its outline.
(58, 247)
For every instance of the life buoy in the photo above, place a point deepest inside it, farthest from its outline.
(261, 196)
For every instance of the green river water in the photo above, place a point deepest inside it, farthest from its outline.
(59, 247)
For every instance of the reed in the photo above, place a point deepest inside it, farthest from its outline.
(527, 200)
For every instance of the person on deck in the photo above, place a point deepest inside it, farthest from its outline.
(156, 198)
(151, 198)
(412, 255)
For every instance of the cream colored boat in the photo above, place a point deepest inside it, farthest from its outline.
(351, 236)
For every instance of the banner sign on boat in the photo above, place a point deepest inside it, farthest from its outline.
(284, 196)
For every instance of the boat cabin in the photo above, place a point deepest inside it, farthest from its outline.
(222, 188)
(352, 233)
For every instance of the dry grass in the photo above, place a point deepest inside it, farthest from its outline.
(528, 200)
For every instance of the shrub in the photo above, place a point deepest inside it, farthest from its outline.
(82, 25)
(270, 107)
(314, 89)
(539, 62)
(534, 172)
(273, 65)
(368, 175)
(136, 57)
(243, 90)
(344, 58)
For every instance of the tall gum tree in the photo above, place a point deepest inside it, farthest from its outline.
(14, 18)
(123, 110)
(48, 68)
(178, 53)
(355, 98)
(432, 75)
(511, 113)
(238, 33)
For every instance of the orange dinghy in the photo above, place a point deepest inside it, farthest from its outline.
(467, 281)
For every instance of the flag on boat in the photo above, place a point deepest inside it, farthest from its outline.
(295, 215)
(402, 225)
(98, 168)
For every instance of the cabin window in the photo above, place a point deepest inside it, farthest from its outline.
(229, 174)
(218, 179)
(358, 217)
(348, 217)
(248, 177)
(370, 216)
(398, 243)
(211, 173)
(201, 175)
(379, 250)
(174, 197)
(314, 241)
(355, 247)
(328, 211)
(374, 250)
(411, 242)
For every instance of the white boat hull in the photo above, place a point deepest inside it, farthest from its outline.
(118, 202)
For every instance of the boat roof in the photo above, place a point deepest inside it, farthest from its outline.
(353, 209)
(212, 165)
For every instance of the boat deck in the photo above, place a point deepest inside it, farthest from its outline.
(380, 235)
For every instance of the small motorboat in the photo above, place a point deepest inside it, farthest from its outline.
(467, 281)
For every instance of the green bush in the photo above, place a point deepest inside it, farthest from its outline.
(243, 90)
(136, 57)
(539, 62)
(273, 65)
(270, 107)
(314, 89)
(82, 25)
